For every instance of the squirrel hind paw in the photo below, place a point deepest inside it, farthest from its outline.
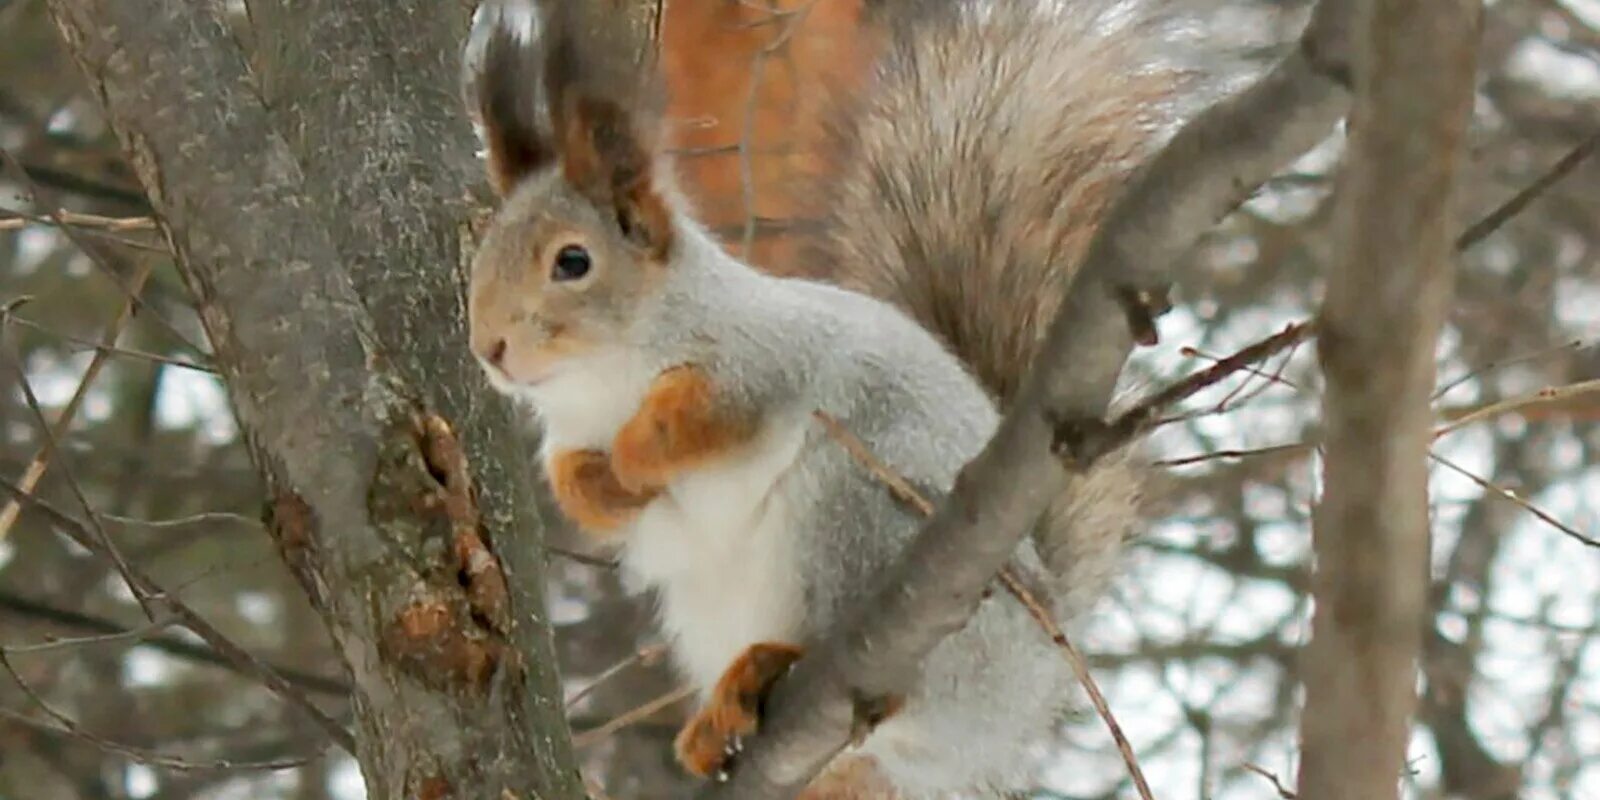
(708, 743)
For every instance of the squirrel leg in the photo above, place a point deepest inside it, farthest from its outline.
(680, 425)
(734, 708)
(588, 491)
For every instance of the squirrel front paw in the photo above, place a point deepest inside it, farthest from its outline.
(679, 425)
(589, 493)
(708, 740)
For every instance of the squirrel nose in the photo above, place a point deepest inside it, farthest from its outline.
(495, 352)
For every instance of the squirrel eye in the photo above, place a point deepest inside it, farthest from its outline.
(571, 264)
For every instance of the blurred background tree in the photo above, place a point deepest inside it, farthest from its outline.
(1196, 647)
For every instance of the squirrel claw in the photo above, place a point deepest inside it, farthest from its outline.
(708, 743)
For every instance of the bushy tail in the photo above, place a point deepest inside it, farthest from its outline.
(975, 164)
(972, 171)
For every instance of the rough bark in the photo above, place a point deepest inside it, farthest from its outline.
(1378, 329)
(1057, 424)
(309, 166)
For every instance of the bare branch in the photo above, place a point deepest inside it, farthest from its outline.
(644, 657)
(65, 726)
(1080, 668)
(86, 344)
(105, 544)
(1122, 430)
(1481, 229)
(54, 431)
(1378, 329)
(99, 258)
(1545, 396)
(318, 216)
(632, 716)
(108, 630)
(15, 220)
(1277, 785)
(142, 585)
(1202, 173)
(1515, 499)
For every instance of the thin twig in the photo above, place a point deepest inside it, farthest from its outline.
(1277, 785)
(644, 656)
(1492, 222)
(21, 493)
(65, 726)
(1080, 668)
(897, 484)
(1275, 376)
(11, 220)
(37, 195)
(1276, 449)
(14, 220)
(193, 520)
(1233, 398)
(116, 351)
(1492, 365)
(247, 662)
(18, 605)
(55, 431)
(592, 786)
(1549, 394)
(1135, 420)
(132, 634)
(1511, 496)
(631, 717)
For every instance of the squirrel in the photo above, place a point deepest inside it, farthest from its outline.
(676, 386)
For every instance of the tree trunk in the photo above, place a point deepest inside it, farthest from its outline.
(1386, 299)
(309, 161)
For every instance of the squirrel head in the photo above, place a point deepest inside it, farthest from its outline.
(584, 232)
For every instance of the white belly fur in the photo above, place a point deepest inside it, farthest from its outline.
(715, 547)
(718, 552)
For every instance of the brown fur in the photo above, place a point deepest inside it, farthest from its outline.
(509, 112)
(588, 491)
(973, 170)
(734, 707)
(680, 425)
(606, 159)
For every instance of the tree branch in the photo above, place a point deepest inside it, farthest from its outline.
(1386, 299)
(308, 164)
(1203, 173)
(102, 629)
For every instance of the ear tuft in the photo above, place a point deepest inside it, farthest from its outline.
(577, 91)
(510, 104)
(606, 127)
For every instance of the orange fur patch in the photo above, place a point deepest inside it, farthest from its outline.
(588, 491)
(735, 705)
(680, 425)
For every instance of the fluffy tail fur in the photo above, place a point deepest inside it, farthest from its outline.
(972, 170)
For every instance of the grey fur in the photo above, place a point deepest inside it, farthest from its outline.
(971, 222)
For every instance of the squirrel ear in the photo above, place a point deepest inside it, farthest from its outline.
(510, 108)
(605, 156)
